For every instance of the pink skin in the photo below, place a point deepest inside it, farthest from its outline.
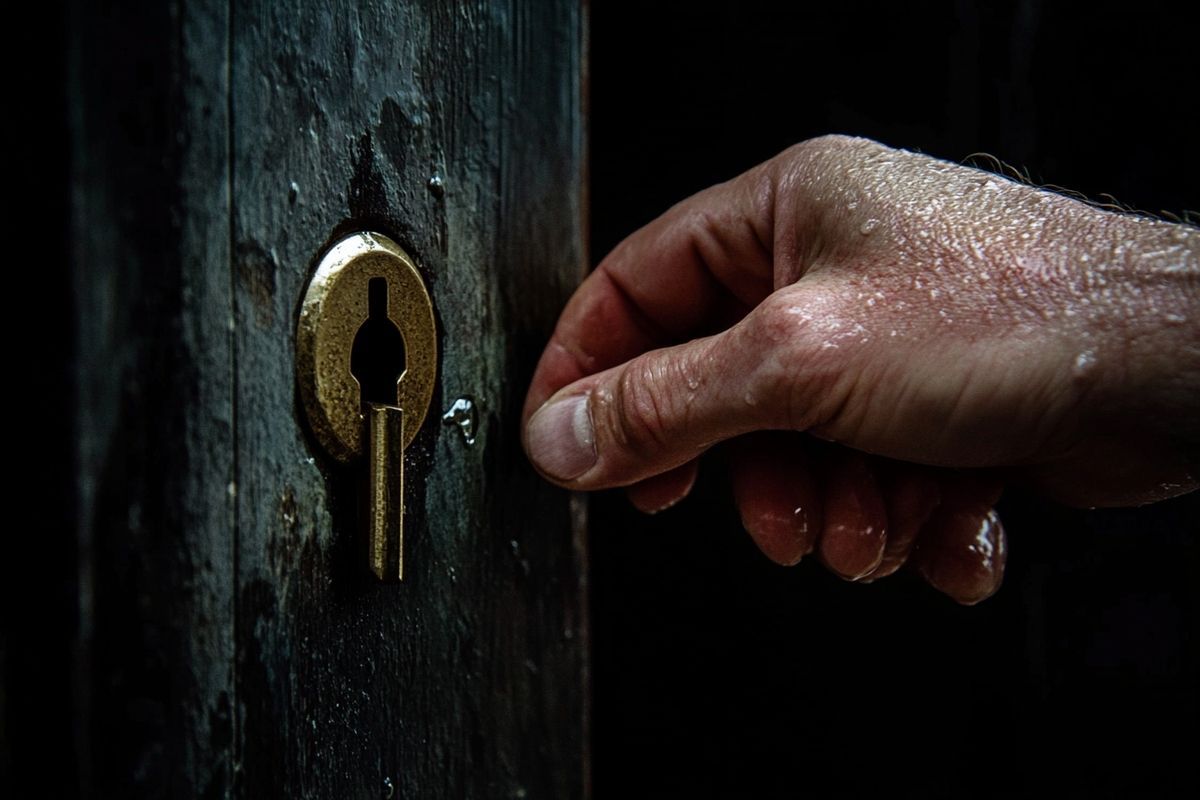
(912, 496)
(776, 490)
(854, 536)
(926, 317)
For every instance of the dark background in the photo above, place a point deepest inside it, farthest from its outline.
(719, 674)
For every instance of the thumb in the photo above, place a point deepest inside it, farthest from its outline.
(666, 407)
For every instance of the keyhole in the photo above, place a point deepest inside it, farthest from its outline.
(377, 357)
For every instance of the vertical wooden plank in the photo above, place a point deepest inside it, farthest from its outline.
(456, 129)
(148, 94)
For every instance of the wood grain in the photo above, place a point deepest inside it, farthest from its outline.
(456, 130)
(231, 640)
(155, 447)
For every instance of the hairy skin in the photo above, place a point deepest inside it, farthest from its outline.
(945, 328)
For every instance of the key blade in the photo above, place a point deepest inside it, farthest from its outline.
(385, 490)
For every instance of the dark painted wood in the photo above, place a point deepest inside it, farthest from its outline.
(230, 640)
(456, 129)
(154, 403)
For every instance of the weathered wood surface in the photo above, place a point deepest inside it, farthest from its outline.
(154, 412)
(465, 680)
(232, 640)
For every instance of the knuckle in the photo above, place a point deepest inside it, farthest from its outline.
(805, 345)
(779, 321)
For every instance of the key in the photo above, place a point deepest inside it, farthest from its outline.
(366, 364)
(385, 490)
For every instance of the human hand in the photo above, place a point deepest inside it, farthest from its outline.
(948, 329)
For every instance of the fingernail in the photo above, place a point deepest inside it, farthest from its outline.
(560, 439)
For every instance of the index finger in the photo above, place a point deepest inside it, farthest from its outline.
(665, 283)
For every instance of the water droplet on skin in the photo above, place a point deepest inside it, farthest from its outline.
(868, 226)
(293, 192)
(389, 789)
(1176, 319)
(1084, 362)
(437, 186)
(852, 205)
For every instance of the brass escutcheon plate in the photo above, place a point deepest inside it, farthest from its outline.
(335, 307)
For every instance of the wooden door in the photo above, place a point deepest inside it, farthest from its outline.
(231, 640)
